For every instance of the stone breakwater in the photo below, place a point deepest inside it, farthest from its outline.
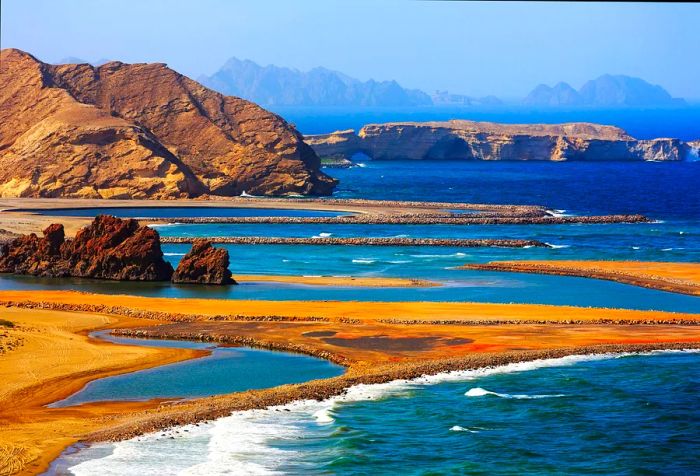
(556, 322)
(408, 219)
(663, 283)
(237, 341)
(267, 240)
(154, 315)
(206, 409)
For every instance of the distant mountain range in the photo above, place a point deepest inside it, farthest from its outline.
(276, 86)
(605, 91)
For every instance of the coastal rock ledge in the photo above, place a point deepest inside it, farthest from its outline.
(109, 248)
(469, 140)
(204, 264)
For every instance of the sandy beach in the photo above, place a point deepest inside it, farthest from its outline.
(681, 278)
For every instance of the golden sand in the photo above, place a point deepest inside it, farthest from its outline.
(673, 277)
(54, 360)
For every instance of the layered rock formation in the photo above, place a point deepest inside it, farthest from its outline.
(140, 131)
(467, 140)
(204, 264)
(110, 248)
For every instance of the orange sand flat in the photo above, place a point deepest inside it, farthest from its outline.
(673, 277)
(349, 309)
(54, 360)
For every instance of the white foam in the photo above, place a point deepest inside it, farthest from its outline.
(163, 225)
(173, 254)
(480, 392)
(461, 428)
(558, 213)
(322, 235)
(556, 247)
(453, 255)
(363, 261)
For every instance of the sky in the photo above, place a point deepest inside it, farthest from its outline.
(474, 48)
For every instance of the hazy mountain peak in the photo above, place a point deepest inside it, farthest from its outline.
(607, 90)
(280, 86)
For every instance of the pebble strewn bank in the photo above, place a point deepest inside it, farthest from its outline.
(268, 240)
(195, 411)
(413, 219)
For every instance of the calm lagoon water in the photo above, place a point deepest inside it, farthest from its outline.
(577, 415)
(225, 370)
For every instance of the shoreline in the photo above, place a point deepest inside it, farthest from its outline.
(353, 334)
(191, 412)
(681, 278)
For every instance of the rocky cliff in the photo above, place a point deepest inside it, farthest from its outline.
(140, 131)
(467, 140)
(110, 248)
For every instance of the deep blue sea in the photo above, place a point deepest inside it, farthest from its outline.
(682, 123)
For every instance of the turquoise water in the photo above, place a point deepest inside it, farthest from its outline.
(625, 415)
(225, 370)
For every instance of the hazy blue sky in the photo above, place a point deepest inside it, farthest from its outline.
(466, 47)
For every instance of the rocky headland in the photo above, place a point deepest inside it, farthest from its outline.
(140, 131)
(111, 248)
(468, 140)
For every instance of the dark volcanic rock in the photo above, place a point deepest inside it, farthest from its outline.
(204, 264)
(110, 248)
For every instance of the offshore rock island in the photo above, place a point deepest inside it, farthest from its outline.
(140, 131)
(469, 140)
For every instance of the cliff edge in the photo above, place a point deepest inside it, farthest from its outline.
(468, 140)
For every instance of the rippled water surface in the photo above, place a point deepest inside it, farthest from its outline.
(577, 415)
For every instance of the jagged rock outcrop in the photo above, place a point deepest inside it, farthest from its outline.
(468, 140)
(109, 248)
(140, 131)
(204, 264)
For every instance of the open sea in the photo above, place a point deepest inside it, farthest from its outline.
(612, 414)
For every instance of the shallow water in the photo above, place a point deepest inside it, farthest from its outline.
(225, 370)
(605, 415)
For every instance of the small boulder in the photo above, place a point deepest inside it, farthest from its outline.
(204, 264)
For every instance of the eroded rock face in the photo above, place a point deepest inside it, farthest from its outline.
(140, 131)
(467, 140)
(204, 264)
(110, 248)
